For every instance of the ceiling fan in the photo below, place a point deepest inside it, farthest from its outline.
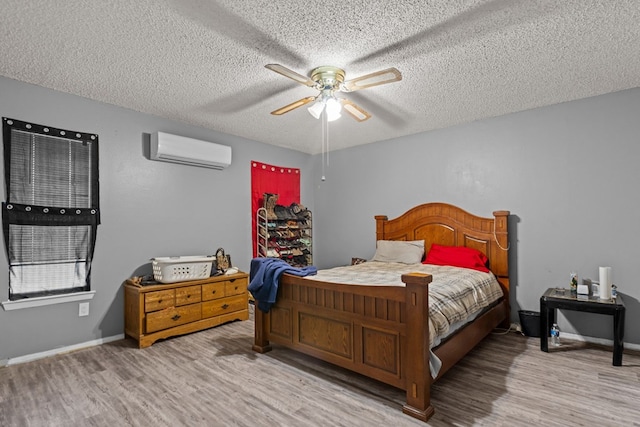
(329, 80)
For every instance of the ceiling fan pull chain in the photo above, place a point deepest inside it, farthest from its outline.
(324, 136)
(326, 123)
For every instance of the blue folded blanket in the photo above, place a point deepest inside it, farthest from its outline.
(264, 276)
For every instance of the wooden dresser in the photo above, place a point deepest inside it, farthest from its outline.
(153, 312)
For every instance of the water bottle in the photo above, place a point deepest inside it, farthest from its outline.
(555, 335)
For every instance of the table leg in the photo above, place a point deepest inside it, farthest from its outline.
(618, 336)
(544, 325)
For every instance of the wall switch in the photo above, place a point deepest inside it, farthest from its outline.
(83, 309)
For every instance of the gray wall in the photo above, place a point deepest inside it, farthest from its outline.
(148, 209)
(568, 173)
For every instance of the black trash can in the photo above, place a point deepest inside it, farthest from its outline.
(530, 322)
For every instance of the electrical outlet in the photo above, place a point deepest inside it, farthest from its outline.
(83, 309)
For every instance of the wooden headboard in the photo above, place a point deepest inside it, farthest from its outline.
(449, 225)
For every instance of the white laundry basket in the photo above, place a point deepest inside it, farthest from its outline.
(181, 268)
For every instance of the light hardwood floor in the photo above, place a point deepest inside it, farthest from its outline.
(213, 378)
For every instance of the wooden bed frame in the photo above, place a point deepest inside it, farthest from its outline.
(382, 331)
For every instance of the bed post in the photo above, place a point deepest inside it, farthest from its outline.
(500, 258)
(380, 220)
(501, 234)
(260, 342)
(416, 357)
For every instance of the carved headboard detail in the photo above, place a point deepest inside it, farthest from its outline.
(449, 225)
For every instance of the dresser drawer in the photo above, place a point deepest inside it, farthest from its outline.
(173, 316)
(223, 306)
(235, 287)
(213, 291)
(158, 300)
(188, 295)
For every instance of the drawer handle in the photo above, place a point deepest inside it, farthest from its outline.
(160, 301)
(213, 292)
(176, 317)
(225, 306)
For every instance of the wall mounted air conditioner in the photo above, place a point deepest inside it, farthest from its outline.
(187, 151)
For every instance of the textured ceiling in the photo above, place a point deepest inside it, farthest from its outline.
(202, 61)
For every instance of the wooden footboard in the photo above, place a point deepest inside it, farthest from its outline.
(378, 331)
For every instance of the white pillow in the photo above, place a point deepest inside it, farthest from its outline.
(410, 252)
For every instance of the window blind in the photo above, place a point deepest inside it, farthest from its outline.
(51, 214)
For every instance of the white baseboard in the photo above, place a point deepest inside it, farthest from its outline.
(56, 351)
(599, 341)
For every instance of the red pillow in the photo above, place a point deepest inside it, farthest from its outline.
(457, 256)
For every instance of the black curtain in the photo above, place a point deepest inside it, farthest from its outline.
(51, 214)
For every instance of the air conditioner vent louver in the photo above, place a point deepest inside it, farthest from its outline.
(188, 151)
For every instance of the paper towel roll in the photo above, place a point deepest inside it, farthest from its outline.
(605, 282)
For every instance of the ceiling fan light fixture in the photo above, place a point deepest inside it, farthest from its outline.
(329, 104)
(332, 107)
(316, 109)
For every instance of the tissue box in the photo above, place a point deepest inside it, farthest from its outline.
(585, 288)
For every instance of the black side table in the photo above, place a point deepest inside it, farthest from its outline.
(554, 299)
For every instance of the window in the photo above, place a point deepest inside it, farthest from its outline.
(51, 214)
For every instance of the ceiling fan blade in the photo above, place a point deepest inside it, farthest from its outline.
(291, 74)
(293, 105)
(356, 112)
(374, 79)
